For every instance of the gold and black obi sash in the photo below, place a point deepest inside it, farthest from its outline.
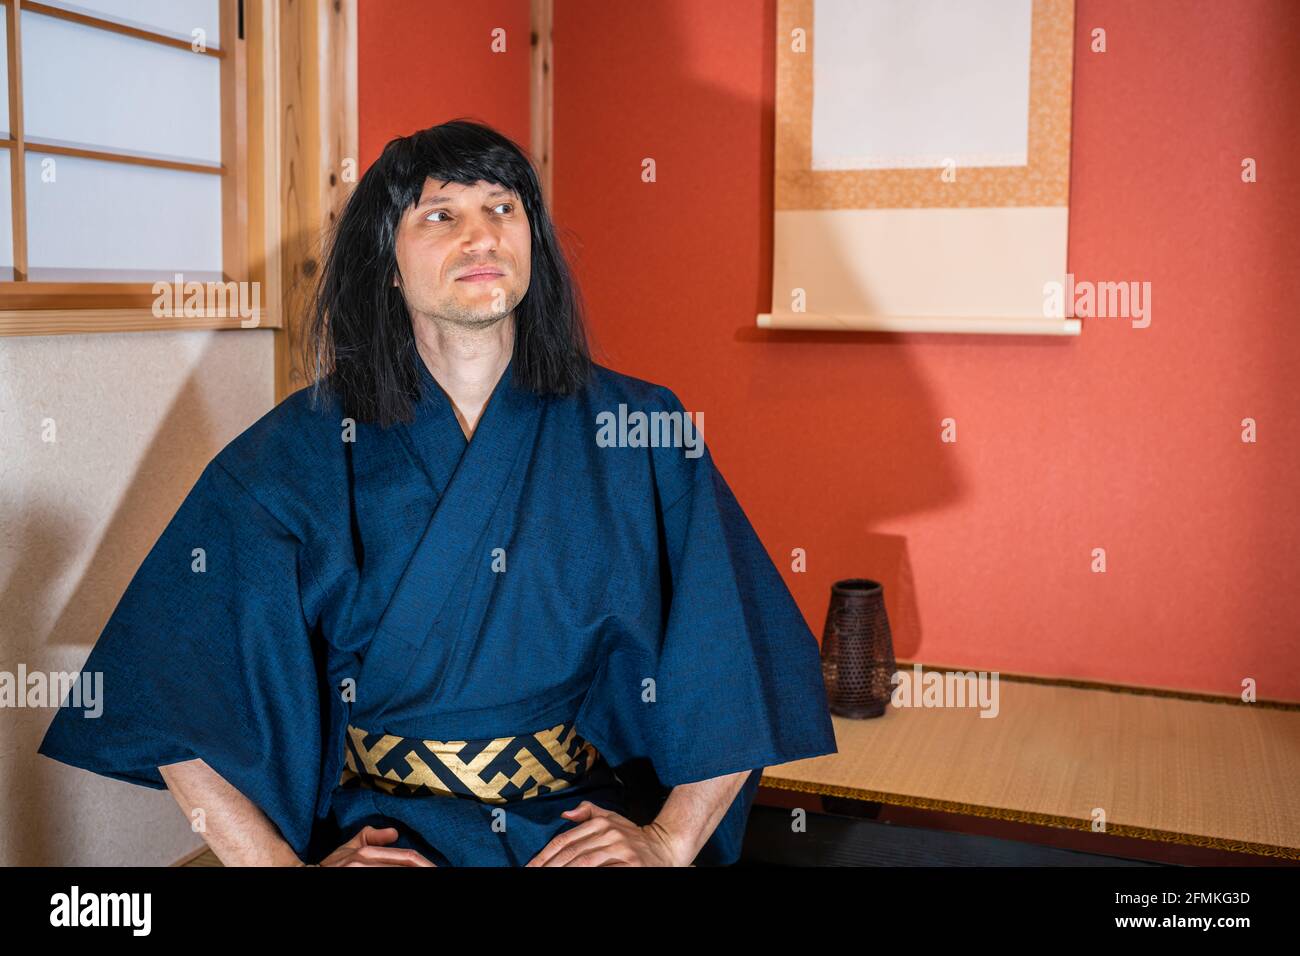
(491, 770)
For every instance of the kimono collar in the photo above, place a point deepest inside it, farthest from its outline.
(469, 478)
(435, 435)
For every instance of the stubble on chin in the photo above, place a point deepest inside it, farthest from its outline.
(457, 315)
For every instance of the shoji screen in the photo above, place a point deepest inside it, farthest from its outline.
(121, 130)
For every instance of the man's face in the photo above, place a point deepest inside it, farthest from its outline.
(453, 230)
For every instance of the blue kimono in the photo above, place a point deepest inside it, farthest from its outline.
(453, 621)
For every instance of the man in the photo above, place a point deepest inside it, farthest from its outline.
(470, 598)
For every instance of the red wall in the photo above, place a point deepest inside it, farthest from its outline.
(1124, 439)
(421, 63)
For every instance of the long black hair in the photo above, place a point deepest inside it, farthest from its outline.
(360, 344)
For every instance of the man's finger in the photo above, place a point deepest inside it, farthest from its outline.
(392, 854)
(598, 857)
(562, 840)
(590, 841)
(374, 836)
(364, 863)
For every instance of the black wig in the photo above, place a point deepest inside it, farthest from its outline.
(360, 344)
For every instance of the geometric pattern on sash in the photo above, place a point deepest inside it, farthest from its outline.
(490, 770)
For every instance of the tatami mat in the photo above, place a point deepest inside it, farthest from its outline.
(1185, 771)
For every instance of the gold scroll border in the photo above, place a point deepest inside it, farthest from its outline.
(1044, 182)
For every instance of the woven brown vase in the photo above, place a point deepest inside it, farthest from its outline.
(857, 650)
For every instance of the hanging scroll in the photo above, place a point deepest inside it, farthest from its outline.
(922, 165)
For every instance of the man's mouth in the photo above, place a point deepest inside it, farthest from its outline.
(480, 275)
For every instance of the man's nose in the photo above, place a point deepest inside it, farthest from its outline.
(480, 235)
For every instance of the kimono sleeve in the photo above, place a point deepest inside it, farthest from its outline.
(737, 680)
(208, 655)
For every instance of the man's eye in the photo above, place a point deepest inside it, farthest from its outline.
(511, 205)
(436, 212)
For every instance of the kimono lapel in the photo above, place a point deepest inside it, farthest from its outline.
(455, 532)
(435, 438)
(398, 474)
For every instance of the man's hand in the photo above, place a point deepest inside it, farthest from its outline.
(603, 838)
(368, 848)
